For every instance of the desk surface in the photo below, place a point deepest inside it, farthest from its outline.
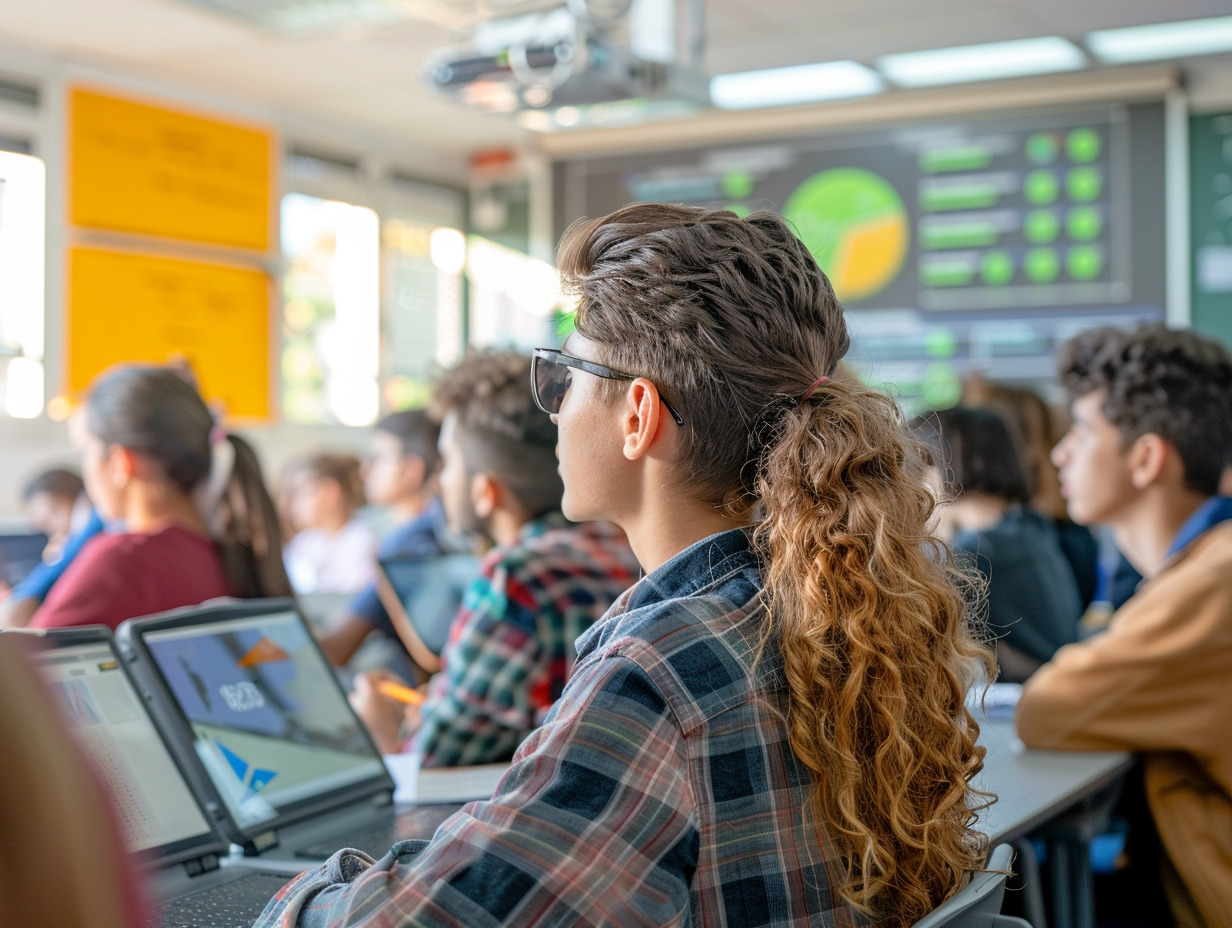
(1035, 786)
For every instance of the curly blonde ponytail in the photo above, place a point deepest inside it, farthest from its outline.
(735, 318)
(872, 629)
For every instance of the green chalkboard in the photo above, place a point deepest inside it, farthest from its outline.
(1210, 179)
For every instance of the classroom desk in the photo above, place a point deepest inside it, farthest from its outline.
(1035, 787)
(1058, 788)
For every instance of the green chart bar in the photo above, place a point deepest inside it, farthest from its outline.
(947, 273)
(963, 158)
(959, 196)
(935, 236)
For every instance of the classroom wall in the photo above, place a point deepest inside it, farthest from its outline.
(27, 446)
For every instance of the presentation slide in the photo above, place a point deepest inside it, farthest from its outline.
(974, 243)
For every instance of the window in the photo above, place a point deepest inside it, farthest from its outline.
(22, 245)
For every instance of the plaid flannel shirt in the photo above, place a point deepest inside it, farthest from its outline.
(661, 790)
(511, 646)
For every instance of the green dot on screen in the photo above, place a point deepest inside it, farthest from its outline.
(1042, 148)
(1083, 223)
(1041, 227)
(1041, 265)
(997, 268)
(1040, 188)
(940, 343)
(737, 184)
(1084, 262)
(739, 209)
(941, 386)
(1084, 184)
(1082, 145)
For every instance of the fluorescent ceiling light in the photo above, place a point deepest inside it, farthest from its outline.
(982, 62)
(807, 83)
(1164, 40)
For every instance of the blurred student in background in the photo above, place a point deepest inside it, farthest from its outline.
(1033, 604)
(511, 645)
(1152, 425)
(57, 505)
(330, 552)
(1035, 429)
(197, 519)
(399, 473)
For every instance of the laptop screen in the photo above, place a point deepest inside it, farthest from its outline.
(155, 806)
(268, 719)
(431, 590)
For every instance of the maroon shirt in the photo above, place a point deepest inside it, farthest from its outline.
(121, 576)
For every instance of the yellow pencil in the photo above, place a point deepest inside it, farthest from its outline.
(399, 692)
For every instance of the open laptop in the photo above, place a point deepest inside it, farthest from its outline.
(261, 725)
(422, 595)
(20, 554)
(165, 827)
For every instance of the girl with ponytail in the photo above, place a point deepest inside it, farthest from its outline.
(769, 728)
(196, 521)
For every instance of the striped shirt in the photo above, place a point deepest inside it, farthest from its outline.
(661, 790)
(511, 645)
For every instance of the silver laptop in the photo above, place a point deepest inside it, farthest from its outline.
(167, 830)
(265, 732)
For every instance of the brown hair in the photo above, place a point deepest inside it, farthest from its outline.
(1166, 382)
(735, 321)
(342, 469)
(975, 452)
(499, 427)
(157, 413)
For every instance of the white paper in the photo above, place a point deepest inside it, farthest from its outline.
(413, 786)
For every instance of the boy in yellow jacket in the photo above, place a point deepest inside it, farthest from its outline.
(1151, 437)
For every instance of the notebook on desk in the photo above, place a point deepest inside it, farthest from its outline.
(263, 728)
(165, 827)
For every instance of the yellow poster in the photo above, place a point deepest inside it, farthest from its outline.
(134, 167)
(124, 306)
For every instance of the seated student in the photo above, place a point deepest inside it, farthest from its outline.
(1031, 423)
(1033, 604)
(511, 645)
(330, 552)
(57, 506)
(399, 473)
(769, 729)
(197, 520)
(1152, 425)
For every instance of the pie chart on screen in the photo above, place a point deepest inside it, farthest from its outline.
(855, 224)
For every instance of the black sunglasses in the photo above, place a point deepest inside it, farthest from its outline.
(549, 379)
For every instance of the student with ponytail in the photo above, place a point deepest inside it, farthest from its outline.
(769, 728)
(196, 519)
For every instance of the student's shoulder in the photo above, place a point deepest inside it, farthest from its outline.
(699, 650)
(585, 548)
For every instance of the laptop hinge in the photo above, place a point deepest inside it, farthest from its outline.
(258, 844)
(203, 864)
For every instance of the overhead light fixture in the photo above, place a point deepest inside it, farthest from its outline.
(1019, 58)
(807, 83)
(1162, 40)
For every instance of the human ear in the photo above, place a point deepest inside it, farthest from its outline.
(1148, 456)
(485, 495)
(122, 465)
(642, 419)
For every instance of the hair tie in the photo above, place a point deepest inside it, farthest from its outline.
(217, 434)
(809, 392)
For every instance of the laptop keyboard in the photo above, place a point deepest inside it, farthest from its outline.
(235, 904)
(375, 841)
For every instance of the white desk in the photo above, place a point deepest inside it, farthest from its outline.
(1036, 787)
